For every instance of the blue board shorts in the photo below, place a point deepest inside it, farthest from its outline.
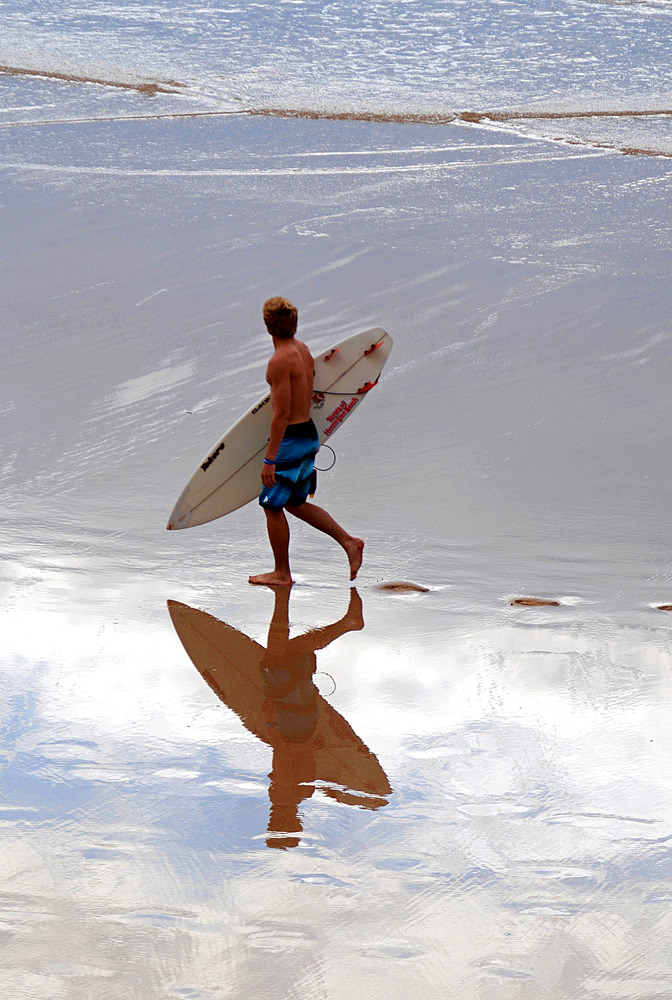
(294, 466)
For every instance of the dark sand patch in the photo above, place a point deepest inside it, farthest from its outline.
(534, 602)
(402, 585)
(150, 88)
(482, 117)
(393, 117)
(664, 607)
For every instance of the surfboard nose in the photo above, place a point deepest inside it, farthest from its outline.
(181, 514)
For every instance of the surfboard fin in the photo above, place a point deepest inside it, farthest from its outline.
(366, 387)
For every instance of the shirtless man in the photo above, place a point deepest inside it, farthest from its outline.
(290, 455)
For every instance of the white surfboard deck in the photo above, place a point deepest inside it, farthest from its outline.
(230, 474)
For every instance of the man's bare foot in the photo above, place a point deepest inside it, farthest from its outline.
(354, 616)
(272, 580)
(354, 550)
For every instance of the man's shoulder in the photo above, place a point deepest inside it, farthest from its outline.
(303, 352)
(280, 364)
(284, 358)
(303, 347)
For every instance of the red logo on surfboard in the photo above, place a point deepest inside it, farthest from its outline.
(339, 414)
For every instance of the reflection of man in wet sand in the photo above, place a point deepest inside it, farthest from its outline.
(290, 455)
(273, 693)
(292, 707)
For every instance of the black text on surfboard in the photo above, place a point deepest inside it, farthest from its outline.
(211, 458)
(262, 403)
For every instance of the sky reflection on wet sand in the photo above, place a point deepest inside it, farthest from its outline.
(527, 825)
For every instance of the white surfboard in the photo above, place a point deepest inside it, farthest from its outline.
(230, 474)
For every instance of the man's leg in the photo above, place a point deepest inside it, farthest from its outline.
(319, 518)
(278, 536)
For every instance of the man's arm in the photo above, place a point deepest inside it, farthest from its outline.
(277, 376)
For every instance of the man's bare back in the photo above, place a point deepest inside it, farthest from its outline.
(292, 358)
(290, 376)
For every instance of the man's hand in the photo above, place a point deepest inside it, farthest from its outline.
(268, 474)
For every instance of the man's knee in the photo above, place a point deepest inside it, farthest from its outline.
(274, 515)
(296, 508)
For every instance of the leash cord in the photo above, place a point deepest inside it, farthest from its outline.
(334, 458)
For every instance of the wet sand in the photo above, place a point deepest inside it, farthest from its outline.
(516, 843)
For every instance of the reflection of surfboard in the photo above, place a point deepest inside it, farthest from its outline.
(229, 475)
(231, 663)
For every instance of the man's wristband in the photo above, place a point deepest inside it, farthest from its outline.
(269, 461)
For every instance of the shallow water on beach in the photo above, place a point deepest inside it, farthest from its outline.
(395, 59)
(433, 792)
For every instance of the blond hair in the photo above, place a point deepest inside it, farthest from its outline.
(280, 317)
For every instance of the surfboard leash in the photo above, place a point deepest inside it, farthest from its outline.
(313, 477)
